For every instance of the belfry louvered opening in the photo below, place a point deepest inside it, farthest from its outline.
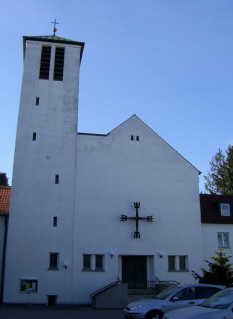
(59, 64)
(45, 62)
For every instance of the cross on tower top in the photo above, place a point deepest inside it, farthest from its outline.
(54, 27)
(137, 218)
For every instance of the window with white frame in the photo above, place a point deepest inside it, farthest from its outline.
(225, 209)
(223, 240)
(178, 263)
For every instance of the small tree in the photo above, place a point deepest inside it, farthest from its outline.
(219, 273)
(3, 179)
(219, 179)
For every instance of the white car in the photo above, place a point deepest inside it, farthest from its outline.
(218, 306)
(172, 298)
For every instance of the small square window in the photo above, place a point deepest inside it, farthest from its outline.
(37, 100)
(223, 240)
(56, 179)
(53, 261)
(225, 209)
(34, 136)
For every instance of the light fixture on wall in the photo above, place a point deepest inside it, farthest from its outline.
(160, 253)
(111, 253)
(65, 265)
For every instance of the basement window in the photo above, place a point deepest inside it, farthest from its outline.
(59, 64)
(45, 62)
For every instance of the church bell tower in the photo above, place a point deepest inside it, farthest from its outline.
(40, 236)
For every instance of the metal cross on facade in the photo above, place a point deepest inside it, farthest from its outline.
(54, 26)
(137, 218)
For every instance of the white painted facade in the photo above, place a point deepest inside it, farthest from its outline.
(210, 240)
(100, 178)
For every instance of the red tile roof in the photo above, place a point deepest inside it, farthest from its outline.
(210, 209)
(5, 193)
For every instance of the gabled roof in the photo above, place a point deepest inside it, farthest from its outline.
(5, 193)
(52, 38)
(136, 117)
(210, 211)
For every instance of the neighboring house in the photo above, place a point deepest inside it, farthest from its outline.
(89, 209)
(4, 213)
(217, 224)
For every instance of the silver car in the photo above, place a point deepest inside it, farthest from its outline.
(218, 306)
(172, 298)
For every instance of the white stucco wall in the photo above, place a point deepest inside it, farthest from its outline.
(35, 198)
(100, 177)
(113, 172)
(210, 240)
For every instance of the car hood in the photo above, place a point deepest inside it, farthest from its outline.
(192, 312)
(145, 302)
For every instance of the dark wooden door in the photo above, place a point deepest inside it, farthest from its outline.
(134, 271)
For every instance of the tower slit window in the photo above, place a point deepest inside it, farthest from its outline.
(34, 136)
(59, 64)
(57, 179)
(45, 62)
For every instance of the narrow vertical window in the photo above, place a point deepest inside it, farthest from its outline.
(55, 221)
(59, 64)
(171, 262)
(34, 136)
(182, 260)
(87, 262)
(56, 179)
(99, 262)
(53, 261)
(132, 138)
(45, 62)
(137, 138)
(37, 100)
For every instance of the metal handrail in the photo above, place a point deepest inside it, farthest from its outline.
(147, 287)
(104, 288)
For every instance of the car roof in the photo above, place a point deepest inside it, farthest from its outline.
(202, 285)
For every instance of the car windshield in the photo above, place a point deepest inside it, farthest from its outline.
(166, 293)
(220, 300)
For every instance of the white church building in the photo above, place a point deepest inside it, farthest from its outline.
(89, 210)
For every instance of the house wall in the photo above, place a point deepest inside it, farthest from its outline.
(210, 240)
(2, 240)
(113, 172)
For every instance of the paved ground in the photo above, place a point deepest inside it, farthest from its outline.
(45, 312)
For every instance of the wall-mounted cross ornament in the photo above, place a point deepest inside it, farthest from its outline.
(137, 218)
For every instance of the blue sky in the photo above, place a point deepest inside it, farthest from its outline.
(170, 62)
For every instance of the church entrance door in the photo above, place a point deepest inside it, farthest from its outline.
(134, 271)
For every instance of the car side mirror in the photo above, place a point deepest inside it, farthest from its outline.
(175, 298)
